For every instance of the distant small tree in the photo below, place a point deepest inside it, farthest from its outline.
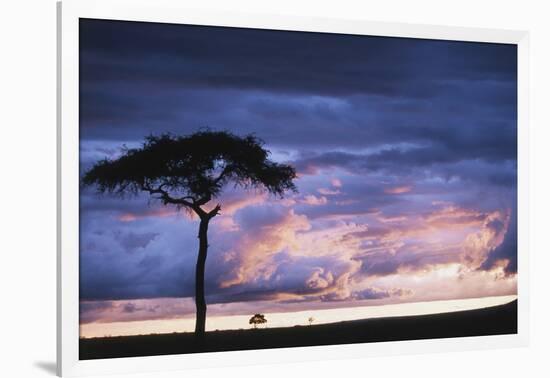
(257, 319)
(189, 172)
(311, 319)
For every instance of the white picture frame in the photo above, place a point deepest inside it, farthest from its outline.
(170, 11)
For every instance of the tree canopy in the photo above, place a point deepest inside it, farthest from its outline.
(257, 319)
(191, 170)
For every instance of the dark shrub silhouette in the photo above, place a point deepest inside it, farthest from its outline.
(188, 172)
(257, 319)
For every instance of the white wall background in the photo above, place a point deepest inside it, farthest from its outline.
(27, 187)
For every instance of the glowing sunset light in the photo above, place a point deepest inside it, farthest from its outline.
(290, 319)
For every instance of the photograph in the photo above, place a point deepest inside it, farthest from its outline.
(245, 189)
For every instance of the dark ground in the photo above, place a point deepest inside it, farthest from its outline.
(496, 320)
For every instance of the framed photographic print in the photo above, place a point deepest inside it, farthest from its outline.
(236, 185)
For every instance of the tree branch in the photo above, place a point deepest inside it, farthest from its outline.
(203, 201)
(166, 198)
(215, 211)
(182, 201)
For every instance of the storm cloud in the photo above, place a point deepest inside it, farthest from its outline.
(406, 151)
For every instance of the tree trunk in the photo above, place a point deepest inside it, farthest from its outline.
(200, 300)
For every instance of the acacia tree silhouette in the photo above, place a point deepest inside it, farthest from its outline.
(188, 172)
(257, 319)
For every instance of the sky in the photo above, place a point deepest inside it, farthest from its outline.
(405, 149)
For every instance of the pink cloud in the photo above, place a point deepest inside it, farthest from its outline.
(313, 200)
(336, 183)
(254, 251)
(328, 192)
(398, 190)
(453, 215)
(478, 245)
(161, 212)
